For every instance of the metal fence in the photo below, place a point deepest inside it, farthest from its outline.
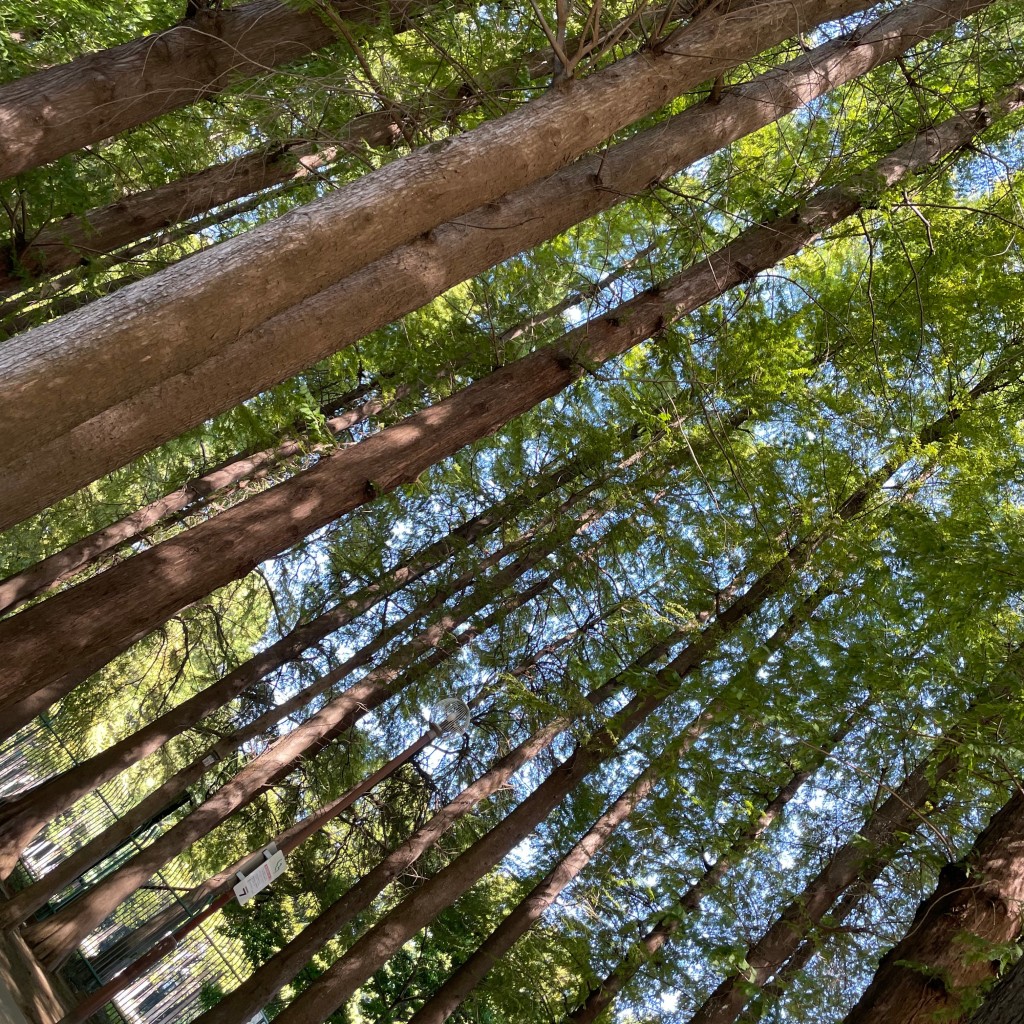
(180, 986)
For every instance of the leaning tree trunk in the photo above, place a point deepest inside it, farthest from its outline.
(80, 238)
(688, 903)
(899, 815)
(371, 951)
(88, 444)
(940, 966)
(54, 938)
(443, 1003)
(24, 815)
(214, 485)
(53, 112)
(56, 378)
(60, 642)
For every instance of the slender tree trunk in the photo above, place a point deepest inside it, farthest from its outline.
(53, 646)
(937, 969)
(333, 988)
(63, 108)
(75, 444)
(899, 815)
(22, 712)
(22, 817)
(688, 903)
(57, 379)
(525, 915)
(54, 938)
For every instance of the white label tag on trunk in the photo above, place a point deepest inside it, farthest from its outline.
(260, 877)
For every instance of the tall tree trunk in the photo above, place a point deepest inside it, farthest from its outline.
(63, 108)
(369, 953)
(54, 938)
(528, 911)
(60, 566)
(54, 379)
(80, 238)
(56, 644)
(22, 817)
(215, 484)
(898, 816)
(938, 968)
(74, 444)
(688, 903)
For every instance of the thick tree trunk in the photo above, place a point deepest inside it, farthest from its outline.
(63, 108)
(78, 239)
(74, 444)
(54, 938)
(53, 646)
(689, 902)
(216, 484)
(934, 972)
(53, 379)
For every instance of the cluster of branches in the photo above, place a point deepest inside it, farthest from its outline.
(713, 541)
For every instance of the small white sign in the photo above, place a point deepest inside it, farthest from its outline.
(259, 878)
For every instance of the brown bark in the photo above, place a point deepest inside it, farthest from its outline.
(54, 379)
(940, 966)
(216, 484)
(689, 902)
(54, 938)
(78, 239)
(54, 645)
(22, 816)
(63, 108)
(1003, 1004)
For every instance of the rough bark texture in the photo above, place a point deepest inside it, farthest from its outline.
(75, 240)
(56, 644)
(941, 965)
(54, 938)
(63, 108)
(59, 377)
(1005, 1005)
(196, 493)
(416, 273)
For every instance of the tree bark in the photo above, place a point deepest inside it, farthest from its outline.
(1004, 1003)
(940, 966)
(53, 379)
(54, 938)
(53, 646)
(59, 567)
(78, 239)
(63, 108)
